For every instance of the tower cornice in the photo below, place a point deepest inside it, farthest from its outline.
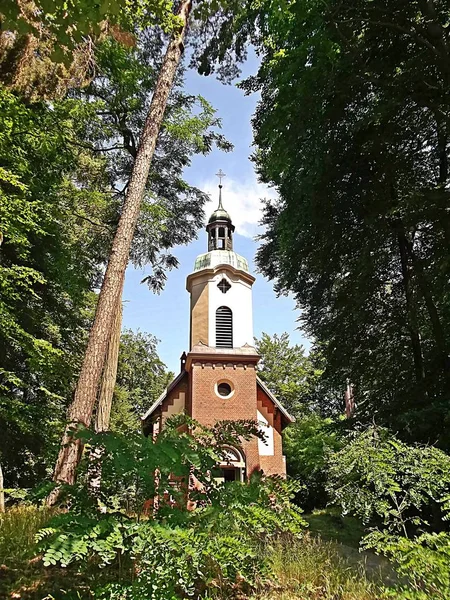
(202, 353)
(211, 272)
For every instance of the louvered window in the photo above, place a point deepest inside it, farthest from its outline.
(224, 327)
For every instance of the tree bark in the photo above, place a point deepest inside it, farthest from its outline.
(109, 376)
(410, 307)
(102, 418)
(80, 411)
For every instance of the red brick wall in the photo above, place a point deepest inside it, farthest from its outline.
(208, 408)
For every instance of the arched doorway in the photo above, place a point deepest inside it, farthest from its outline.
(232, 467)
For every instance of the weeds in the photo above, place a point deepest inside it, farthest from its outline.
(311, 569)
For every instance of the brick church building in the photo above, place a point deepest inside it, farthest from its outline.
(218, 378)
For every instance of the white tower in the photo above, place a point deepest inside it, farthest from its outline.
(221, 288)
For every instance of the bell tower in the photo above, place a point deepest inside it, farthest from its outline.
(220, 287)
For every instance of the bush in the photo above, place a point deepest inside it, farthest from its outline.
(424, 561)
(403, 490)
(211, 551)
(307, 444)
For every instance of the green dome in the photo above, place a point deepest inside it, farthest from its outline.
(220, 214)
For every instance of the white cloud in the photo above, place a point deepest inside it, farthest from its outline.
(242, 199)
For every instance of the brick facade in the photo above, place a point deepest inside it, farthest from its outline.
(208, 407)
(194, 391)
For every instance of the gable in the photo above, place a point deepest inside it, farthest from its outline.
(172, 401)
(272, 409)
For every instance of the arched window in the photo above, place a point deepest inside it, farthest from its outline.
(224, 327)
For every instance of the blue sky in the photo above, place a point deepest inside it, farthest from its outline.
(167, 315)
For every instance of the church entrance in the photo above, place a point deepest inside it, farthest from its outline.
(232, 467)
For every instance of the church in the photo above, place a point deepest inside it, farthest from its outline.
(218, 379)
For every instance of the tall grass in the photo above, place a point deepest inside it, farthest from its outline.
(18, 527)
(311, 569)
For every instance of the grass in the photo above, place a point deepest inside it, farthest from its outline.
(18, 526)
(332, 526)
(311, 569)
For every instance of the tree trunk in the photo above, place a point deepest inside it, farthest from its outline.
(105, 403)
(410, 307)
(436, 325)
(2, 491)
(109, 376)
(86, 391)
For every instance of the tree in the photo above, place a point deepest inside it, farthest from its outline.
(289, 374)
(49, 47)
(64, 166)
(308, 445)
(141, 378)
(86, 390)
(83, 403)
(352, 129)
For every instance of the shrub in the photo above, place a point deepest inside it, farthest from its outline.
(307, 445)
(173, 552)
(384, 481)
(404, 491)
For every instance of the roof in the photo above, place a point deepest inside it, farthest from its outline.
(199, 348)
(220, 214)
(161, 399)
(214, 258)
(277, 403)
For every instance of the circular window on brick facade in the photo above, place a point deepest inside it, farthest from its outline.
(224, 389)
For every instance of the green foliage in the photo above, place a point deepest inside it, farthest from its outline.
(423, 560)
(141, 377)
(212, 550)
(352, 130)
(308, 443)
(404, 490)
(62, 182)
(380, 479)
(70, 23)
(289, 374)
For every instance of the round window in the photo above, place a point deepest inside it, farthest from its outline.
(224, 389)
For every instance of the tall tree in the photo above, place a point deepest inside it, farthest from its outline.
(288, 372)
(86, 391)
(352, 129)
(141, 378)
(49, 47)
(61, 185)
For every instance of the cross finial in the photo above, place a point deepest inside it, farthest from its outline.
(220, 175)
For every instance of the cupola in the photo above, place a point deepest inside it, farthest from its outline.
(220, 228)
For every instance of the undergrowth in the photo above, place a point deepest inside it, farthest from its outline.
(311, 569)
(306, 569)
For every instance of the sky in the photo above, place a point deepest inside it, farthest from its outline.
(167, 315)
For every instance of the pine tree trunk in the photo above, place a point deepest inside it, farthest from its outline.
(103, 415)
(86, 391)
(109, 376)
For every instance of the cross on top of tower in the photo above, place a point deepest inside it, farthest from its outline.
(220, 175)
